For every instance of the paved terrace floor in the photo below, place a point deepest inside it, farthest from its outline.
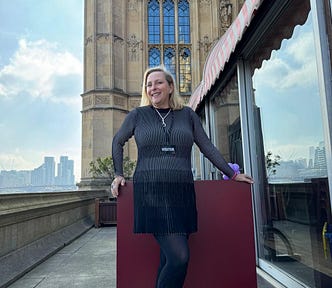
(89, 261)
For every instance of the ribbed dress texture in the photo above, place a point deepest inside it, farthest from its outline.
(164, 195)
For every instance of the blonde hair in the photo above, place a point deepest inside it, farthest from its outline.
(175, 100)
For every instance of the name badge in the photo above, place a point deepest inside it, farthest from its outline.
(168, 149)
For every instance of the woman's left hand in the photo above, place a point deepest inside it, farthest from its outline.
(244, 178)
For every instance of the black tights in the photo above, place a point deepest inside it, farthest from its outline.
(174, 258)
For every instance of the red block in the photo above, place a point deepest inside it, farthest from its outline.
(222, 252)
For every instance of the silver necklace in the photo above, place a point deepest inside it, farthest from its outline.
(163, 118)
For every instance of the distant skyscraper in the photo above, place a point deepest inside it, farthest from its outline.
(49, 165)
(65, 172)
(311, 157)
(320, 158)
(44, 175)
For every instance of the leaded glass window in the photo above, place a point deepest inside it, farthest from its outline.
(184, 21)
(169, 60)
(169, 39)
(185, 70)
(169, 22)
(154, 57)
(154, 22)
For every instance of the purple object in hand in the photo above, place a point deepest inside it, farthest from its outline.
(236, 169)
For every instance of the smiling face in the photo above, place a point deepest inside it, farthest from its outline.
(158, 89)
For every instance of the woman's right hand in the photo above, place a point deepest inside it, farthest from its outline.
(118, 180)
(244, 178)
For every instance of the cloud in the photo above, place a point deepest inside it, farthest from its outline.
(39, 69)
(293, 66)
(17, 161)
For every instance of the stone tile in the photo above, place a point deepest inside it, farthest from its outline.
(90, 261)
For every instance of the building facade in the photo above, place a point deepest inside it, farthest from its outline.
(258, 73)
(122, 39)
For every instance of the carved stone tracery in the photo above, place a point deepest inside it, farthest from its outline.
(205, 44)
(134, 45)
(205, 2)
(102, 99)
(225, 15)
(132, 5)
(104, 37)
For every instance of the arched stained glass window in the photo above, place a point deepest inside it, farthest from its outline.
(184, 21)
(169, 60)
(154, 57)
(169, 40)
(169, 22)
(185, 71)
(154, 21)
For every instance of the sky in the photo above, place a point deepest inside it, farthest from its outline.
(41, 80)
(288, 82)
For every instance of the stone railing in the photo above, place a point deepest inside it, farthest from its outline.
(33, 226)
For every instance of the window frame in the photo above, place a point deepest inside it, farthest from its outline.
(178, 46)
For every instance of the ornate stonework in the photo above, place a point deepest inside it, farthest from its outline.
(102, 99)
(104, 37)
(204, 2)
(132, 6)
(225, 15)
(87, 101)
(119, 101)
(134, 46)
(205, 44)
(134, 103)
(88, 40)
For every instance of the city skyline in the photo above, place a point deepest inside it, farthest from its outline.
(47, 175)
(41, 80)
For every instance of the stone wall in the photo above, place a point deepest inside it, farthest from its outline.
(34, 226)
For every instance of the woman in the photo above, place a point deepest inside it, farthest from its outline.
(164, 197)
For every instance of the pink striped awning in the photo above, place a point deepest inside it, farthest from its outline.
(222, 50)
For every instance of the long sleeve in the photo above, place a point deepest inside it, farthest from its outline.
(125, 132)
(207, 148)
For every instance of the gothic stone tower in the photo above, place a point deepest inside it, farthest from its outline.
(121, 39)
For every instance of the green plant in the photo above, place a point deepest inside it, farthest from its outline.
(271, 163)
(103, 167)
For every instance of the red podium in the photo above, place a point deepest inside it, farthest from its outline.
(222, 252)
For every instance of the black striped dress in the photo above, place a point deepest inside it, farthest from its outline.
(164, 196)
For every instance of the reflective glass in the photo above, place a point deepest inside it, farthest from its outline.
(169, 60)
(154, 22)
(154, 57)
(227, 136)
(184, 21)
(185, 71)
(169, 22)
(293, 182)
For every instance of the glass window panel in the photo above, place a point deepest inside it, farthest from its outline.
(169, 22)
(154, 21)
(291, 161)
(169, 60)
(161, 21)
(227, 134)
(184, 21)
(154, 57)
(185, 71)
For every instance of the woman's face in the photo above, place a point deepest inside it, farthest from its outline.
(158, 89)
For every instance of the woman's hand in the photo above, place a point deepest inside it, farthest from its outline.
(118, 180)
(244, 178)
